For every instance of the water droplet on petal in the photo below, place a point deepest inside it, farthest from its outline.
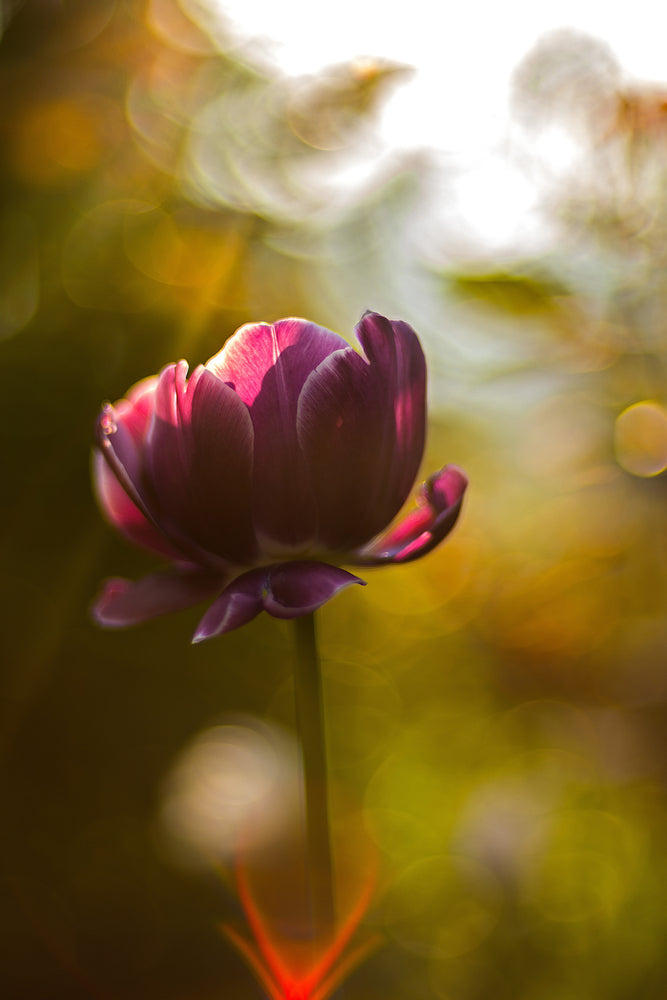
(108, 424)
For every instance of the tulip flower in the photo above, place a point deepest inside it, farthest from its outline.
(285, 457)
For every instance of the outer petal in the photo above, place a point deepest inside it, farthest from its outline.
(129, 602)
(438, 506)
(268, 366)
(124, 454)
(200, 451)
(361, 424)
(124, 514)
(120, 469)
(238, 604)
(285, 590)
(298, 588)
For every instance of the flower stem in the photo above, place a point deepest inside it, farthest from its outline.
(310, 726)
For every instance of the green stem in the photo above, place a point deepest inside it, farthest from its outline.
(310, 726)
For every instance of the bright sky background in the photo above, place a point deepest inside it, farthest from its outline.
(464, 54)
(464, 51)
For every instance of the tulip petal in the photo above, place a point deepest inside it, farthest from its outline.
(238, 604)
(123, 455)
(393, 347)
(361, 425)
(285, 590)
(298, 588)
(124, 514)
(200, 452)
(130, 602)
(119, 469)
(439, 503)
(255, 348)
(268, 366)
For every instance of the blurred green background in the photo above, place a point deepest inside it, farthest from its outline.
(497, 711)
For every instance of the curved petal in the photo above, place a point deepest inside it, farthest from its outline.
(136, 408)
(129, 602)
(393, 346)
(238, 604)
(200, 451)
(124, 456)
(439, 503)
(361, 425)
(124, 515)
(298, 588)
(252, 352)
(285, 590)
(268, 366)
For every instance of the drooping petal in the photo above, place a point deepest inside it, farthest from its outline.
(238, 604)
(298, 588)
(361, 425)
(129, 602)
(268, 366)
(285, 590)
(439, 503)
(201, 454)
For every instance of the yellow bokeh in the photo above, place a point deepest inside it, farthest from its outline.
(640, 438)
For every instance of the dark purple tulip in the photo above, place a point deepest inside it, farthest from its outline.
(287, 454)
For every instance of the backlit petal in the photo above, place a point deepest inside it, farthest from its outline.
(267, 366)
(124, 514)
(255, 348)
(438, 506)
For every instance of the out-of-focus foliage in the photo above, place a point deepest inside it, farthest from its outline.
(497, 712)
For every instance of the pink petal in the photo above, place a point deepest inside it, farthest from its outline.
(285, 590)
(136, 408)
(124, 514)
(124, 456)
(129, 602)
(439, 503)
(254, 350)
(267, 366)
(361, 425)
(121, 431)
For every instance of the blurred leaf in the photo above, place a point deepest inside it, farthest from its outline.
(516, 293)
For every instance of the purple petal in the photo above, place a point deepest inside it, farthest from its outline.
(393, 347)
(201, 454)
(285, 590)
(298, 588)
(268, 366)
(361, 424)
(129, 602)
(238, 604)
(438, 506)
